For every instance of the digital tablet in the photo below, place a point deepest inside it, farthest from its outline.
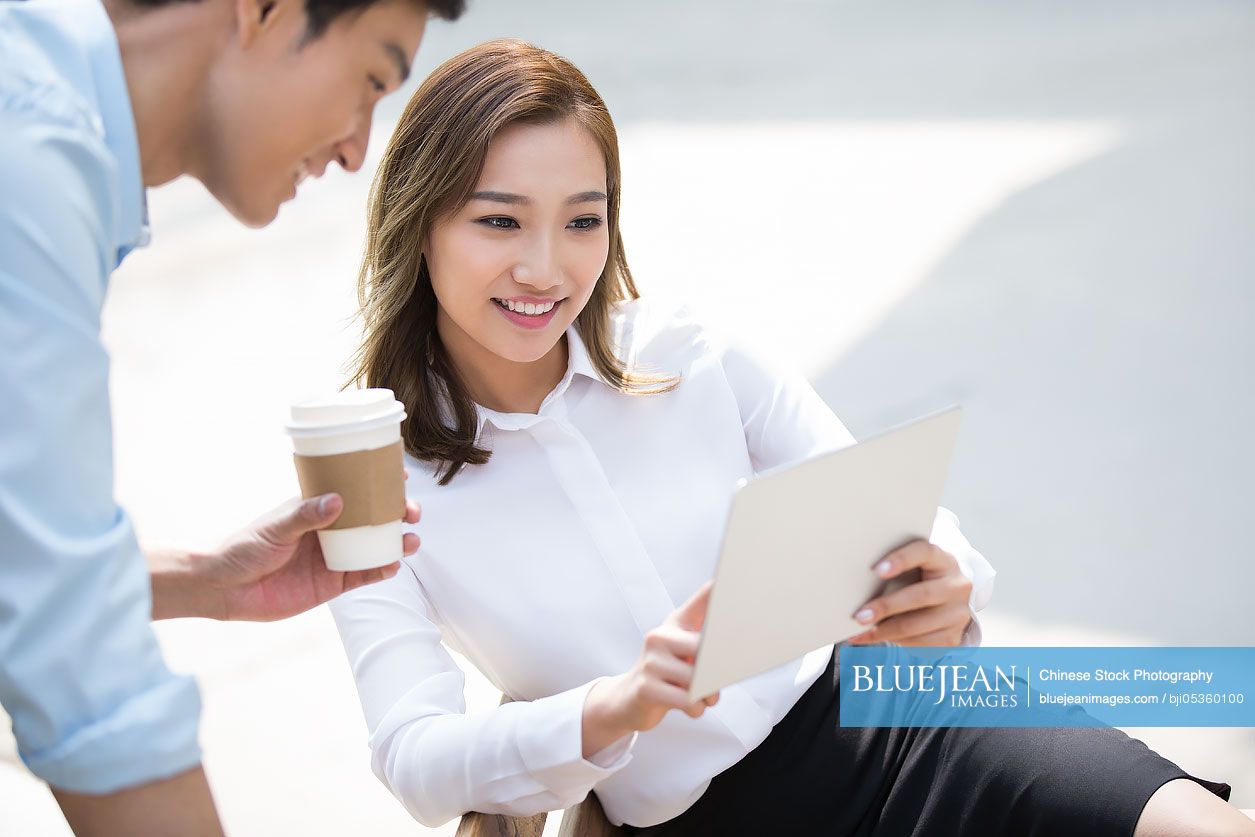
(800, 543)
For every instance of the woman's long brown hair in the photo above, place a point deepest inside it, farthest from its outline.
(429, 170)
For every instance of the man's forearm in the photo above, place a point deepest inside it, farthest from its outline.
(181, 806)
(177, 590)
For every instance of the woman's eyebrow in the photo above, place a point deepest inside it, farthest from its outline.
(500, 197)
(513, 199)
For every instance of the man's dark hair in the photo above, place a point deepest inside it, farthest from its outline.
(321, 13)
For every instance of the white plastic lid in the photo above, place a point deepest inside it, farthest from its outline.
(348, 411)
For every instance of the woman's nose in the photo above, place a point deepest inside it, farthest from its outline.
(537, 265)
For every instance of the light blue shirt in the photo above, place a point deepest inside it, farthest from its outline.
(94, 707)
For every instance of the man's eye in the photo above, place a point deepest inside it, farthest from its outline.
(377, 85)
(591, 223)
(500, 222)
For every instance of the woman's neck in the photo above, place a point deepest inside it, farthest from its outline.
(495, 382)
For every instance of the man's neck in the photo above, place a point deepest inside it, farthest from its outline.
(166, 54)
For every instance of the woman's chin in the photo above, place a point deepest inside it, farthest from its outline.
(527, 357)
(528, 349)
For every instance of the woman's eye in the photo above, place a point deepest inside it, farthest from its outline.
(500, 223)
(586, 223)
(377, 85)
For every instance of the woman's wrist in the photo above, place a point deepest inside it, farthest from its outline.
(601, 726)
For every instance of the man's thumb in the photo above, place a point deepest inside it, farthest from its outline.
(311, 514)
(692, 613)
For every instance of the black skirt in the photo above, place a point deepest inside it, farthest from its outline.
(813, 776)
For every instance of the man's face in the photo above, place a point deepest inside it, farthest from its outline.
(279, 109)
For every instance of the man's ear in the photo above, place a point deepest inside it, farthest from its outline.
(252, 17)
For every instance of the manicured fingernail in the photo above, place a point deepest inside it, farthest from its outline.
(883, 568)
(864, 615)
(324, 505)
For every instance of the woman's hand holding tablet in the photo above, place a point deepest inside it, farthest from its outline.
(658, 682)
(931, 611)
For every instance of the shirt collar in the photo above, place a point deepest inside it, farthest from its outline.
(95, 31)
(578, 360)
(578, 363)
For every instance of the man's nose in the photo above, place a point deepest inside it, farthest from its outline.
(350, 152)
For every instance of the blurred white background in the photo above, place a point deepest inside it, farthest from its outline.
(1043, 212)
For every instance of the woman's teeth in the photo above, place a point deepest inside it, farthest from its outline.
(529, 308)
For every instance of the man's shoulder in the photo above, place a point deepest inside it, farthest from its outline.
(39, 67)
(52, 137)
(59, 180)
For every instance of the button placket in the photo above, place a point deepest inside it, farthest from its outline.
(585, 484)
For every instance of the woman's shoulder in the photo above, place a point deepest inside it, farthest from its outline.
(422, 478)
(662, 331)
(672, 335)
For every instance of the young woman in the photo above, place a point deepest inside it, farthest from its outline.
(574, 450)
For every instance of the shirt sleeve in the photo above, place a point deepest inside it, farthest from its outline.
(94, 707)
(786, 421)
(518, 758)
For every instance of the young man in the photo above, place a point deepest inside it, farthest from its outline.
(97, 102)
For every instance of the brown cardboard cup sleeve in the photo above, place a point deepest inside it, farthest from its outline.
(369, 481)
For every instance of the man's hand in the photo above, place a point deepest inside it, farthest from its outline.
(272, 570)
(932, 611)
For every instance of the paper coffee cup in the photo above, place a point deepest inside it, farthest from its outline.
(350, 443)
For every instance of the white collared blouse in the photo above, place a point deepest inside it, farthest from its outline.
(593, 520)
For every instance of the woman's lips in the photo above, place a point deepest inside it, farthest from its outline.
(529, 321)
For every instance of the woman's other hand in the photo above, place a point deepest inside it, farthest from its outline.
(931, 611)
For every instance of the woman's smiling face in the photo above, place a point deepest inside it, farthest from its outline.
(532, 238)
